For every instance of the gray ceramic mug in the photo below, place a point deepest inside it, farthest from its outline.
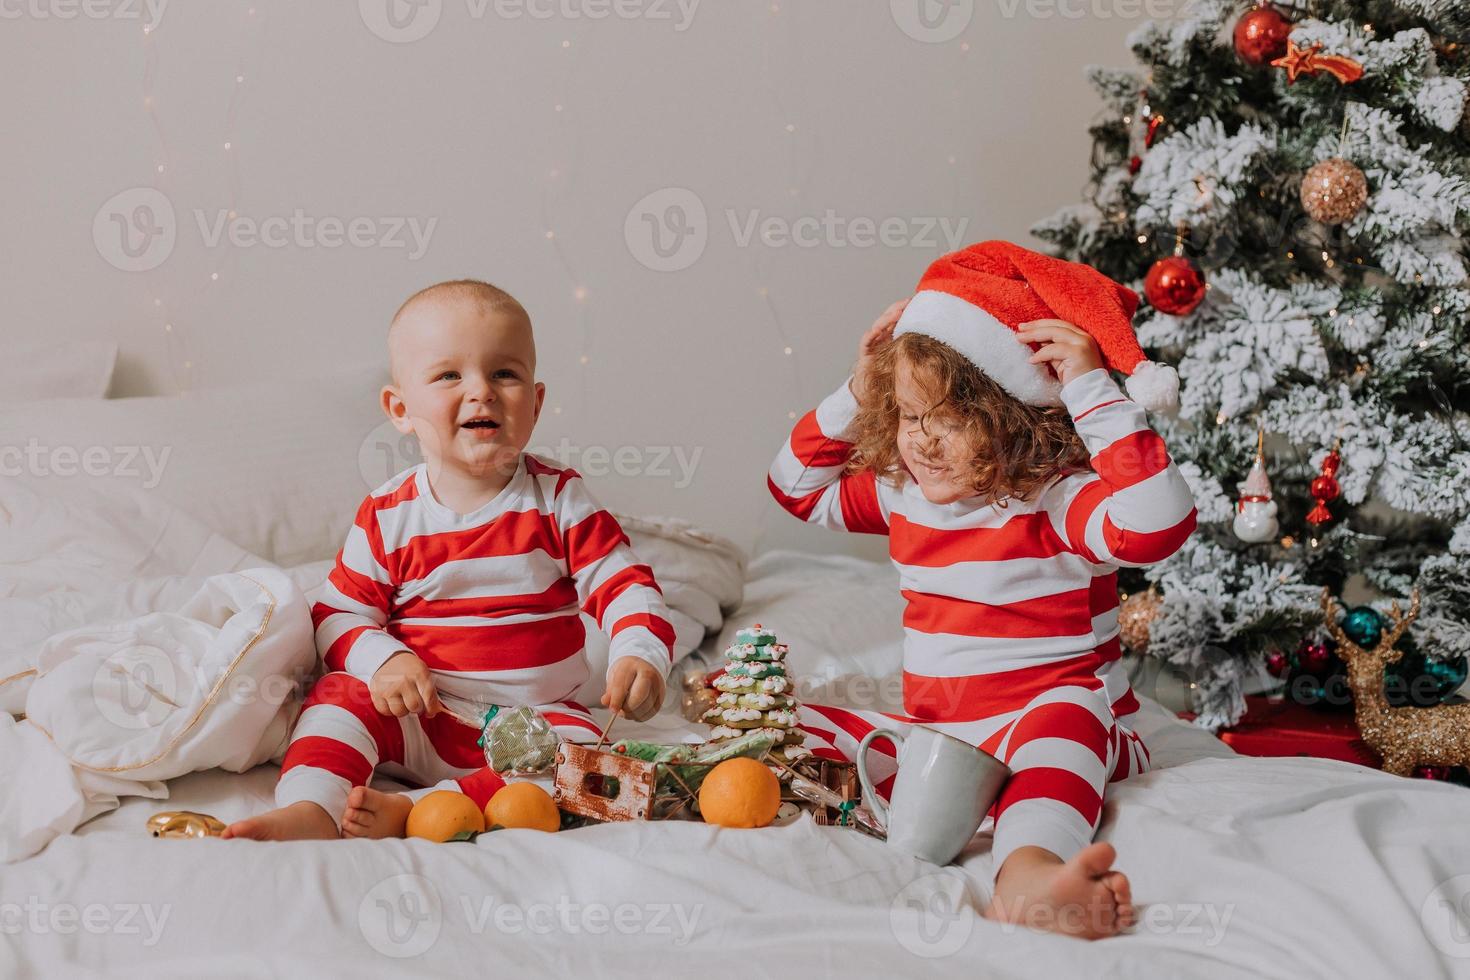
(943, 791)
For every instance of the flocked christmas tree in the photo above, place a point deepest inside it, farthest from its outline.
(1289, 186)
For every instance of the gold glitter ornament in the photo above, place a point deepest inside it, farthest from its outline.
(1334, 191)
(184, 823)
(697, 696)
(1405, 738)
(1138, 611)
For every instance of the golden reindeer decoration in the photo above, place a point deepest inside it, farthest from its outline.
(1402, 737)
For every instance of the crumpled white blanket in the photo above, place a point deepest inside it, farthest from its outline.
(117, 709)
(119, 602)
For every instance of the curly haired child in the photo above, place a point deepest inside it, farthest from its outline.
(982, 432)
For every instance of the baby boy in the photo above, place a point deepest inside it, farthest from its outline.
(460, 585)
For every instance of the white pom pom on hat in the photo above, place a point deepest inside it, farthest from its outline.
(1155, 386)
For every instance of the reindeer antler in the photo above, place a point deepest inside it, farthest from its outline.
(1329, 619)
(1399, 621)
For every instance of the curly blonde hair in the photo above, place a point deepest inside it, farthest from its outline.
(1016, 450)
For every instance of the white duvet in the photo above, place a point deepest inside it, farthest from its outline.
(1241, 867)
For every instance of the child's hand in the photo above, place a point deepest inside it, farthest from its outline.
(404, 686)
(634, 687)
(1070, 351)
(880, 333)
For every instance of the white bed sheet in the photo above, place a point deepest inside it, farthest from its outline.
(1241, 867)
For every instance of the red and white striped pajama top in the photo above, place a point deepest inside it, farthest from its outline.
(489, 600)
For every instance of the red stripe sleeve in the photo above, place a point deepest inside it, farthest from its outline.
(335, 656)
(1147, 547)
(861, 511)
(359, 587)
(1131, 459)
(1080, 512)
(592, 539)
(656, 625)
(634, 575)
(814, 447)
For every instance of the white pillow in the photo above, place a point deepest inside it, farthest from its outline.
(277, 467)
(73, 370)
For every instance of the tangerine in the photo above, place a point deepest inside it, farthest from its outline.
(442, 814)
(523, 805)
(740, 793)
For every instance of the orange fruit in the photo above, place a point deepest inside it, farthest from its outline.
(442, 814)
(523, 806)
(740, 793)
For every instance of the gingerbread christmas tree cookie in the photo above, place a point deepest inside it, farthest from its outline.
(756, 694)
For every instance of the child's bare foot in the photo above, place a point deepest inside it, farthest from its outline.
(299, 821)
(374, 814)
(1082, 897)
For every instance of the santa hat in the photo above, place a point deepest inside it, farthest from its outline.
(974, 300)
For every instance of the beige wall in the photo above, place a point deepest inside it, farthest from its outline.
(823, 104)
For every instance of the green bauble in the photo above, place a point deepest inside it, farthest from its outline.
(1420, 681)
(1364, 626)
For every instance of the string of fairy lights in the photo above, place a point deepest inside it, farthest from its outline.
(172, 310)
(555, 178)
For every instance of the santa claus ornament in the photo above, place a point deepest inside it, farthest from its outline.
(1255, 514)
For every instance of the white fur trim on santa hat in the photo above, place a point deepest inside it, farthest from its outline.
(1154, 386)
(989, 344)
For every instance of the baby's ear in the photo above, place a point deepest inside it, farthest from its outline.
(395, 409)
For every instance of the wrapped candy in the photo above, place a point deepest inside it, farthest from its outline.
(518, 741)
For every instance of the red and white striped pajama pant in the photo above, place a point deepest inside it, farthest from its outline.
(340, 740)
(1063, 747)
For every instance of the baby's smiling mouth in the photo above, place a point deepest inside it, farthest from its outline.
(489, 424)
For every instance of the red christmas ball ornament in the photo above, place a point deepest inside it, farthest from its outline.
(1260, 35)
(1277, 663)
(1325, 488)
(1174, 285)
(1431, 772)
(1314, 656)
(1135, 164)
